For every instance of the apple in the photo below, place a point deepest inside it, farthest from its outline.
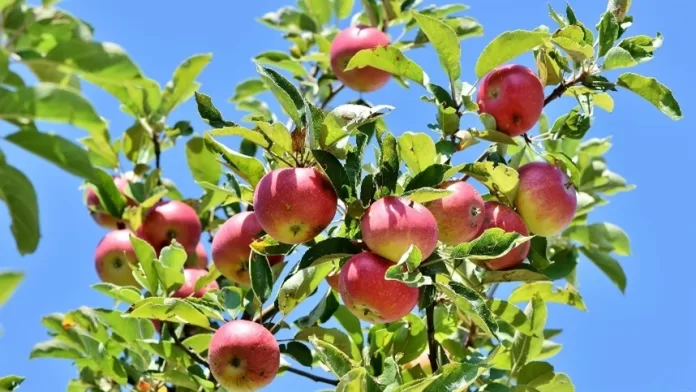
(231, 249)
(459, 216)
(103, 218)
(294, 205)
(333, 281)
(514, 96)
(243, 356)
(546, 198)
(392, 224)
(368, 295)
(499, 215)
(169, 220)
(114, 253)
(345, 45)
(198, 259)
(191, 276)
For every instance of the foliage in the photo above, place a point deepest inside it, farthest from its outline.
(468, 339)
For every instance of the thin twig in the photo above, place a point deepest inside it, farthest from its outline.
(469, 342)
(267, 314)
(432, 345)
(563, 87)
(195, 357)
(312, 376)
(331, 96)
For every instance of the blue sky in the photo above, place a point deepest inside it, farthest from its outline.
(647, 330)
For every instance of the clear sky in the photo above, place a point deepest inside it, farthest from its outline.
(640, 341)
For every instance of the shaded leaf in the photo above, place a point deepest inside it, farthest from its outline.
(202, 161)
(608, 265)
(18, 194)
(389, 59)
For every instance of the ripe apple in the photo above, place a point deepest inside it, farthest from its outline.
(459, 216)
(197, 259)
(504, 217)
(103, 218)
(112, 256)
(294, 205)
(243, 356)
(169, 220)
(514, 96)
(349, 42)
(191, 276)
(231, 249)
(333, 281)
(368, 295)
(546, 198)
(392, 224)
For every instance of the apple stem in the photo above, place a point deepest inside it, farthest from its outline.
(432, 345)
(311, 376)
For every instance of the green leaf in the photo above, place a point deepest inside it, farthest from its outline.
(54, 349)
(526, 347)
(137, 145)
(455, 377)
(608, 28)
(357, 380)
(336, 173)
(300, 285)
(321, 313)
(559, 383)
(417, 150)
(500, 179)
(494, 136)
(445, 41)
(412, 339)
(328, 249)
(332, 336)
(249, 168)
(523, 273)
(618, 58)
(248, 88)
(291, 20)
(652, 91)
(492, 244)
(608, 265)
(472, 304)
(431, 177)
(534, 374)
(202, 161)
(282, 60)
(170, 266)
(337, 362)
(343, 8)
(169, 309)
(198, 343)
(231, 299)
(298, 351)
(320, 10)
(10, 383)
(416, 385)
(388, 174)
(389, 59)
(128, 295)
(146, 263)
(261, 276)
(424, 195)
(247, 134)
(350, 323)
(547, 292)
(606, 237)
(18, 194)
(277, 133)
(642, 47)
(209, 113)
(405, 270)
(571, 40)
(512, 315)
(507, 46)
(4, 62)
(139, 97)
(183, 83)
(9, 281)
(287, 95)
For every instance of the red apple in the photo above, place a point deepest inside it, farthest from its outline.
(191, 276)
(546, 198)
(231, 249)
(243, 356)
(198, 259)
(504, 217)
(103, 218)
(294, 205)
(392, 224)
(459, 216)
(369, 296)
(169, 220)
(333, 281)
(514, 96)
(112, 256)
(349, 42)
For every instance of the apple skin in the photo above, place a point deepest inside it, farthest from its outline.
(169, 220)
(294, 205)
(103, 218)
(243, 356)
(499, 215)
(392, 224)
(345, 45)
(113, 253)
(197, 259)
(231, 249)
(191, 276)
(333, 281)
(368, 295)
(514, 96)
(459, 216)
(546, 198)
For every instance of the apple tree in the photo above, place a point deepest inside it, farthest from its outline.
(395, 222)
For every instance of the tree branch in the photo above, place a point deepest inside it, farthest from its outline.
(311, 376)
(563, 87)
(267, 313)
(331, 96)
(432, 345)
